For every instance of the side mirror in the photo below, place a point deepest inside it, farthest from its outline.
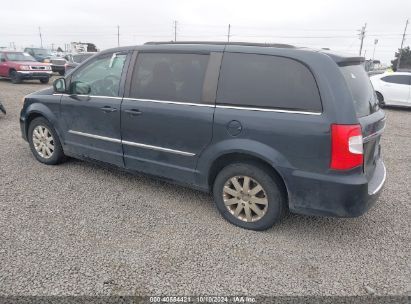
(59, 85)
(80, 88)
(3, 59)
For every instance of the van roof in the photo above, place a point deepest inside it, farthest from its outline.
(258, 48)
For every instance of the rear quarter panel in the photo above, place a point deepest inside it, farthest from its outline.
(287, 141)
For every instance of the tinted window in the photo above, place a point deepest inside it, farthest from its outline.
(101, 77)
(268, 82)
(174, 77)
(365, 101)
(398, 79)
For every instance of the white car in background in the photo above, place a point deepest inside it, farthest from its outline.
(393, 88)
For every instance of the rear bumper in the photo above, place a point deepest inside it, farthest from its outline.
(34, 75)
(338, 196)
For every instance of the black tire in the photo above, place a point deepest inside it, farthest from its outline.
(272, 188)
(57, 155)
(380, 99)
(45, 80)
(62, 73)
(14, 77)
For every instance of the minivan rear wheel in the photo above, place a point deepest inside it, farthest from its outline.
(44, 142)
(248, 196)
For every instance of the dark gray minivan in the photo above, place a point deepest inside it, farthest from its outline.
(265, 128)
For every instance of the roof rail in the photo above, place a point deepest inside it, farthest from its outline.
(277, 45)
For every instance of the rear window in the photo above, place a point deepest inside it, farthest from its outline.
(268, 82)
(365, 101)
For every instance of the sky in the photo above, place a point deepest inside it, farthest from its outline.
(333, 24)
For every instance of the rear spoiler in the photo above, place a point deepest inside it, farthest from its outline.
(344, 59)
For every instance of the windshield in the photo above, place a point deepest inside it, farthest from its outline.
(42, 52)
(80, 58)
(365, 101)
(19, 57)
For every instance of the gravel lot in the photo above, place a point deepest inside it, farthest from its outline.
(79, 228)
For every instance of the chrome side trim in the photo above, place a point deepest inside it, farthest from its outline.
(204, 105)
(382, 182)
(131, 143)
(171, 102)
(269, 110)
(109, 97)
(110, 139)
(134, 144)
(149, 100)
(82, 95)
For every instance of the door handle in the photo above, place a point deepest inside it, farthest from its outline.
(108, 109)
(133, 112)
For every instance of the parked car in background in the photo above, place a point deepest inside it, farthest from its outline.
(2, 109)
(20, 66)
(287, 128)
(393, 88)
(45, 56)
(74, 60)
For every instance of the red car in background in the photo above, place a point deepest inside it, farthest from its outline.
(19, 66)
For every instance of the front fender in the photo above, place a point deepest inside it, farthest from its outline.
(39, 109)
(244, 146)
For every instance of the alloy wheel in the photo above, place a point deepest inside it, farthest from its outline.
(245, 198)
(43, 141)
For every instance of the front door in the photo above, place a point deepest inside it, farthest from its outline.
(166, 121)
(91, 110)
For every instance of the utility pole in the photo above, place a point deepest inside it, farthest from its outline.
(41, 38)
(118, 35)
(402, 44)
(229, 32)
(362, 36)
(175, 30)
(373, 53)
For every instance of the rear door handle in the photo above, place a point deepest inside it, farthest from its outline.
(108, 109)
(133, 112)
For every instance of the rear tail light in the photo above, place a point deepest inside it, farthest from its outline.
(346, 147)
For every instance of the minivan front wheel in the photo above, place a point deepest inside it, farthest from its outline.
(248, 196)
(44, 142)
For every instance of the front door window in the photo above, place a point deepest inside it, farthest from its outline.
(99, 78)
